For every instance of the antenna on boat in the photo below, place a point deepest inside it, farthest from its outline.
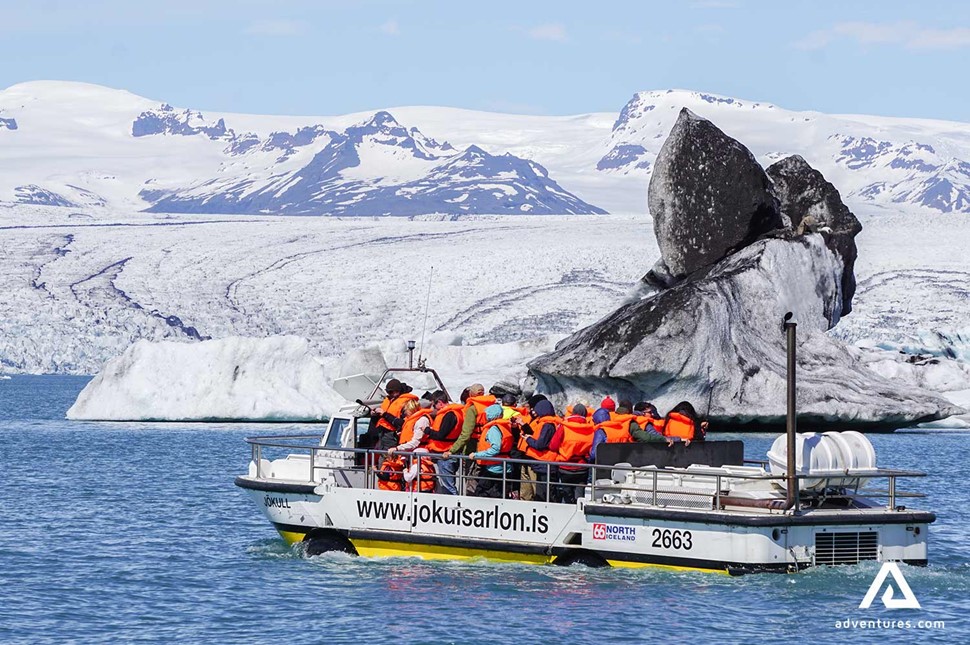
(791, 425)
(424, 327)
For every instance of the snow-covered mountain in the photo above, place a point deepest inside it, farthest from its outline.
(85, 146)
(91, 146)
(418, 174)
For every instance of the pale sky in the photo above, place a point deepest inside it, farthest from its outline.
(303, 57)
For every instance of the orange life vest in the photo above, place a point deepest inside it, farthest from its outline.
(391, 474)
(395, 408)
(506, 447)
(679, 425)
(407, 430)
(577, 441)
(658, 424)
(617, 429)
(425, 481)
(480, 403)
(444, 445)
(536, 425)
(589, 410)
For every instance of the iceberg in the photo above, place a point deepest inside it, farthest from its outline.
(235, 378)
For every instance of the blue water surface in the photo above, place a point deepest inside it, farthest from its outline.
(127, 532)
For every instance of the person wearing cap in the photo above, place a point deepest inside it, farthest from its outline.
(390, 415)
(494, 444)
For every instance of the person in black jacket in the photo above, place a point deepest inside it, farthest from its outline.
(438, 442)
(542, 439)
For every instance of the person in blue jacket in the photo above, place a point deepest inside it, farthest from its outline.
(490, 476)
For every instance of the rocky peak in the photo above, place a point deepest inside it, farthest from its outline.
(167, 120)
(384, 129)
(708, 197)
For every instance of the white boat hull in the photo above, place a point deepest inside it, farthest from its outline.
(386, 523)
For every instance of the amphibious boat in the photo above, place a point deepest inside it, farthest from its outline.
(819, 499)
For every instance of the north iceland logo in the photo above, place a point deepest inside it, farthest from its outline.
(614, 532)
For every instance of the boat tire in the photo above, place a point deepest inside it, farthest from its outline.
(323, 541)
(585, 558)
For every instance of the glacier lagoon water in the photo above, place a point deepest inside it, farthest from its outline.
(124, 532)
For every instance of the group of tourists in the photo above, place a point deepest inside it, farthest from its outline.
(421, 436)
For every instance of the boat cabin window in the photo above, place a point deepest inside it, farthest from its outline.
(363, 425)
(337, 429)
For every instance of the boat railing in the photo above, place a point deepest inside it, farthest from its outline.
(707, 485)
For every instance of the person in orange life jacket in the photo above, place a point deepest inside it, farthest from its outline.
(390, 415)
(444, 430)
(648, 433)
(472, 422)
(510, 413)
(471, 426)
(600, 416)
(542, 440)
(417, 422)
(494, 443)
(390, 476)
(573, 478)
(527, 489)
(683, 424)
(419, 477)
(604, 413)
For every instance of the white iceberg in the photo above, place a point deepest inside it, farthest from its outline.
(235, 378)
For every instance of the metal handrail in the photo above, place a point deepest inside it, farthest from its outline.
(371, 455)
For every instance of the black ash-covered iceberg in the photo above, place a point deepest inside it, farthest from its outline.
(739, 248)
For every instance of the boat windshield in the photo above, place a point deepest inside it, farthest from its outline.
(337, 429)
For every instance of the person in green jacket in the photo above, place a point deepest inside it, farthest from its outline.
(648, 434)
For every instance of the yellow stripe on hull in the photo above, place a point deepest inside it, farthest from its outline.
(291, 537)
(669, 567)
(379, 548)
(382, 548)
